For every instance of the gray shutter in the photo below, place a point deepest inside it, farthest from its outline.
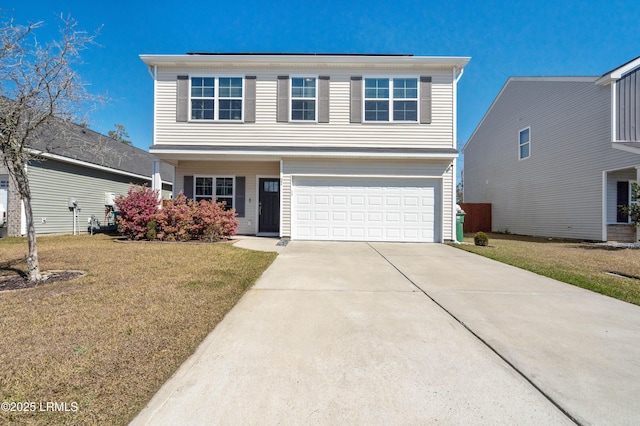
(250, 99)
(182, 99)
(356, 100)
(240, 195)
(283, 99)
(323, 99)
(187, 190)
(425, 100)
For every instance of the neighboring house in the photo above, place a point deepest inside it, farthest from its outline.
(75, 164)
(311, 146)
(555, 156)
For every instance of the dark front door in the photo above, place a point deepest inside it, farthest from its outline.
(622, 199)
(269, 205)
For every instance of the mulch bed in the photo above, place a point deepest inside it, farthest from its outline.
(19, 282)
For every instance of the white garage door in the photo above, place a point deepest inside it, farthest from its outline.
(371, 209)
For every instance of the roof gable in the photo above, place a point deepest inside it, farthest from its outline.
(617, 73)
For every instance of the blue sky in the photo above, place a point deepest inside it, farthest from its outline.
(503, 38)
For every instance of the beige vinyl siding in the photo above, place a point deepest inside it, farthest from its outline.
(338, 132)
(371, 168)
(558, 190)
(249, 169)
(53, 182)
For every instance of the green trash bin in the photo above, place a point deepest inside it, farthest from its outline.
(459, 221)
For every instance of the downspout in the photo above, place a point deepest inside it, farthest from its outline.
(456, 77)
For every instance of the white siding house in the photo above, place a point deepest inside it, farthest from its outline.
(555, 156)
(315, 147)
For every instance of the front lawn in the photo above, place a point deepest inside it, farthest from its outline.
(105, 343)
(585, 265)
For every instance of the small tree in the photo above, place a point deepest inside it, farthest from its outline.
(37, 86)
(119, 134)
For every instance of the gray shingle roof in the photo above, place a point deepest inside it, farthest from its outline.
(80, 143)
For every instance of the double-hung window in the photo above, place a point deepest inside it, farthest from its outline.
(524, 143)
(216, 98)
(303, 99)
(220, 188)
(391, 100)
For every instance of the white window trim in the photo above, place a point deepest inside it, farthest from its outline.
(528, 143)
(214, 177)
(291, 98)
(216, 97)
(390, 99)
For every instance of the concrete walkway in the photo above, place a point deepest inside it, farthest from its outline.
(342, 333)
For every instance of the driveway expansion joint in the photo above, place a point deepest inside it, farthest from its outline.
(483, 341)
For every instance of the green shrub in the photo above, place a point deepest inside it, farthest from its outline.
(481, 239)
(151, 230)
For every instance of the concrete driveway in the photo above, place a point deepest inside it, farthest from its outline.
(357, 333)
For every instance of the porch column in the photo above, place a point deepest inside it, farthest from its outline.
(156, 180)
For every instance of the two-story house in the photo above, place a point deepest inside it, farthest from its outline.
(555, 155)
(314, 146)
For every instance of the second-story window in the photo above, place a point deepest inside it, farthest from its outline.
(216, 98)
(524, 143)
(376, 99)
(385, 95)
(303, 99)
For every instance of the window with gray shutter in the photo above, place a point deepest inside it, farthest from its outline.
(240, 195)
(250, 99)
(355, 112)
(182, 98)
(187, 189)
(323, 99)
(425, 100)
(283, 99)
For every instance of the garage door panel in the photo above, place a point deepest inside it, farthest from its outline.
(358, 209)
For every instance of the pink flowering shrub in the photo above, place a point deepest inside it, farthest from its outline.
(137, 209)
(178, 220)
(212, 222)
(175, 220)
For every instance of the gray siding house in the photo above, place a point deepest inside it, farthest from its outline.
(76, 163)
(555, 155)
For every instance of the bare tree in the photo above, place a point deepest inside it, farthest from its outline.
(37, 86)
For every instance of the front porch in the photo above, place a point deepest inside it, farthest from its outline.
(618, 193)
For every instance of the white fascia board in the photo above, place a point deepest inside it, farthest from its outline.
(306, 60)
(276, 155)
(88, 165)
(617, 74)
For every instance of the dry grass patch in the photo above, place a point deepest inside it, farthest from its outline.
(582, 264)
(109, 340)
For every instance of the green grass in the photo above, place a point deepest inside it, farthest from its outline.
(581, 264)
(109, 340)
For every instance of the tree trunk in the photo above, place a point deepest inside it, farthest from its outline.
(22, 181)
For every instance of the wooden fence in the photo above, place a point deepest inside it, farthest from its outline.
(478, 217)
